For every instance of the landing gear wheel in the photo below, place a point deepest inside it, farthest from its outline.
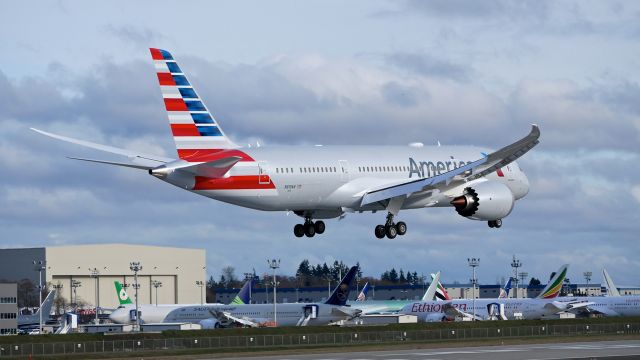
(391, 231)
(401, 226)
(309, 229)
(380, 231)
(319, 227)
(298, 230)
(495, 223)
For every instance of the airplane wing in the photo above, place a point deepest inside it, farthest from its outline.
(346, 311)
(225, 315)
(146, 160)
(471, 171)
(452, 312)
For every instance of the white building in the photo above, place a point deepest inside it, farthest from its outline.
(177, 268)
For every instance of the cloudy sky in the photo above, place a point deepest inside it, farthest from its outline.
(330, 72)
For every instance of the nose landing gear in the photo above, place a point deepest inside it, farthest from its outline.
(309, 228)
(390, 229)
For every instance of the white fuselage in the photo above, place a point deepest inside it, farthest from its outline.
(288, 314)
(330, 180)
(528, 308)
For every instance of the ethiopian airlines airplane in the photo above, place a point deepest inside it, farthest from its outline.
(324, 182)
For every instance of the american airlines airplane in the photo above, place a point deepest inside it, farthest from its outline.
(324, 182)
(253, 315)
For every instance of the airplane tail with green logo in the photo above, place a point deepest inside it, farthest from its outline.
(123, 297)
(554, 286)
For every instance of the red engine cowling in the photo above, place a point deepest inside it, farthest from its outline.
(486, 201)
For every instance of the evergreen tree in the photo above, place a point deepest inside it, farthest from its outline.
(325, 272)
(393, 275)
(402, 279)
(409, 278)
(304, 269)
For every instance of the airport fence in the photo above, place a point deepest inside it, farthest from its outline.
(357, 336)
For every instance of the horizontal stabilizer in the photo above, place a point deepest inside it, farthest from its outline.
(211, 169)
(134, 156)
(142, 167)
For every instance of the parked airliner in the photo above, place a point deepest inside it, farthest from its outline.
(323, 182)
(210, 316)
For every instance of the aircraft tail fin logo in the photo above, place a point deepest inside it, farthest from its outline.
(243, 295)
(340, 295)
(554, 286)
(440, 293)
(504, 292)
(123, 297)
(195, 131)
(363, 294)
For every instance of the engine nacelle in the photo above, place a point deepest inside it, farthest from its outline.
(487, 201)
(210, 323)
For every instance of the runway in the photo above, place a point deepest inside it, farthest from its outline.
(618, 350)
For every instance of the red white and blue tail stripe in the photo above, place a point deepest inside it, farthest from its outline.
(195, 131)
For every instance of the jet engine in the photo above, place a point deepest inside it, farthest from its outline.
(210, 323)
(487, 201)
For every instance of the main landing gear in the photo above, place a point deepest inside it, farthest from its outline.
(495, 223)
(391, 229)
(309, 228)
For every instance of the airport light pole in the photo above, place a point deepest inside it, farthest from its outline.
(136, 267)
(94, 273)
(58, 288)
(474, 263)
(515, 264)
(156, 284)
(249, 276)
(39, 266)
(274, 264)
(523, 276)
(201, 285)
(587, 277)
(75, 284)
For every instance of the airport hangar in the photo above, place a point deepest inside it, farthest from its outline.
(177, 268)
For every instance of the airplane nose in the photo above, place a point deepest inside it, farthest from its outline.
(116, 317)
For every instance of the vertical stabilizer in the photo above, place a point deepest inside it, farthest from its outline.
(123, 297)
(244, 295)
(195, 132)
(340, 295)
(430, 294)
(612, 290)
(363, 294)
(441, 293)
(554, 286)
(504, 292)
